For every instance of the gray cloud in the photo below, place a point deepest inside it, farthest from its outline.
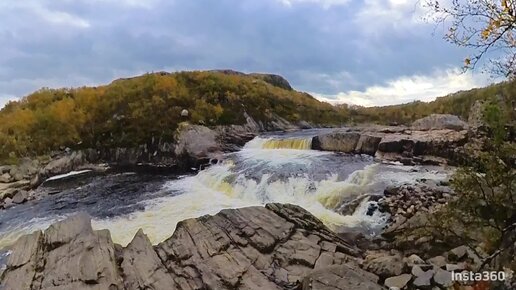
(327, 47)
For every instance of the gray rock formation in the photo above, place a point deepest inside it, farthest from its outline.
(275, 80)
(398, 281)
(6, 178)
(24, 170)
(384, 265)
(196, 141)
(272, 247)
(68, 255)
(340, 277)
(440, 122)
(337, 141)
(418, 145)
(368, 144)
(396, 144)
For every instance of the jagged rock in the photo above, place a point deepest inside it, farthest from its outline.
(438, 261)
(440, 122)
(68, 255)
(458, 253)
(384, 265)
(195, 143)
(142, 267)
(433, 144)
(22, 263)
(417, 271)
(368, 144)
(64, 164)
(272, 247)
(78, 257)
(8, 193)
(338, 141)
(5, 178)
(20, 197)
(424, 280)
(443, 278)
(400, 281)
(455, 267)
(339, 278)
(8, 202)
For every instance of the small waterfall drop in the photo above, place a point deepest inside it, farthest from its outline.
(317, 181)
(278, 143)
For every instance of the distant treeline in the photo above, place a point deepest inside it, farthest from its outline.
(458, 104)
(134, 111)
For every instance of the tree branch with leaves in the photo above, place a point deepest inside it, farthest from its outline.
(488, 27)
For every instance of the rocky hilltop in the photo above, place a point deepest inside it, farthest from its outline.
(272, 247)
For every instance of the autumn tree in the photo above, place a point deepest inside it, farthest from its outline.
(488, 27)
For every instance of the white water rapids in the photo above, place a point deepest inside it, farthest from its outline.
(275, 169)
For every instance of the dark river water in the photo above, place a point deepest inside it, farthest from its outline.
(271, 168)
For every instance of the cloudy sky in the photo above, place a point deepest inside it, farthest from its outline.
(366, 52)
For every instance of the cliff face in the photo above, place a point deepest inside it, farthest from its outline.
(272, 247)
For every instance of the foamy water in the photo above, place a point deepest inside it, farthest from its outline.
(267, 170)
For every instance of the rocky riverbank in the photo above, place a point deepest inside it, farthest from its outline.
(195, 146)
(436, 140)
(272, 247)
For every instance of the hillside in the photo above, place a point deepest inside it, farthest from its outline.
(134, 111)
(458, 104)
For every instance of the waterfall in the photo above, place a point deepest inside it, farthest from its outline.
(250, 178)
(277, 143)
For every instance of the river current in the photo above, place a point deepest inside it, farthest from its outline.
(337, 188)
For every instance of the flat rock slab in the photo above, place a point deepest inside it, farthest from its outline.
(272, 247)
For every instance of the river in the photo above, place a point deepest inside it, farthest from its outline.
(271, 168)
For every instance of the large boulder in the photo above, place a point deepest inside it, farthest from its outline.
(272, 247)
(68, 255)
(5, 178)
(440, 122)
(425, 145)
(62, 164)
(368, 144)
(384, 264)
(196, 143)
(337, 141)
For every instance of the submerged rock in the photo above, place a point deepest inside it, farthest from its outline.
(272, 247)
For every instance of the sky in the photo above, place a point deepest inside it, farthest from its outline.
(365, 52)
